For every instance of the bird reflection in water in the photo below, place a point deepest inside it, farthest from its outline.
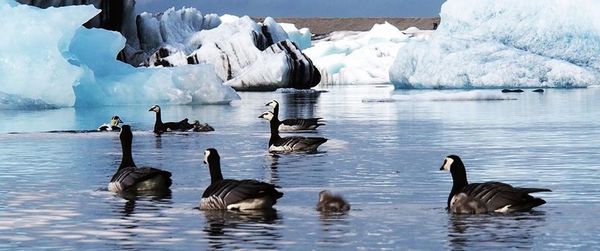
(253, 229)
(272, 163)
(154, 198)
(300, 104)
(484, 231)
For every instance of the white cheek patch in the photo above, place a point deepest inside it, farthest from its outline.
(448, 164)
(206, 153)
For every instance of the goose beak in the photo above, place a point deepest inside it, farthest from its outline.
(442, 168)
(120, 121)
(261, 116)
(150, 109)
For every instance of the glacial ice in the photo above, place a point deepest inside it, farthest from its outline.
(302, 37)
(49, 59)
(241, 52)
(348, 57)
(513, 43)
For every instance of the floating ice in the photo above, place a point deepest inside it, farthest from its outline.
(49, 59)
(443, 96)
(110, 82)
(247, 55)
(346, 57)
(492, 44)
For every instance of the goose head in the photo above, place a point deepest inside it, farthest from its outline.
(324, 195)
(154, 108)
(126, 135)
(273, 103)
(451, 162)
(211, 156)
(267, 115)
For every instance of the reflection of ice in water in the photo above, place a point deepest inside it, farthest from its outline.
(444, 96)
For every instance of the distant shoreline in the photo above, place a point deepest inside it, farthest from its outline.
(326, 25)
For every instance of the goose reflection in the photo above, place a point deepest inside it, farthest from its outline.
(490, 230)
(300, 104)
(154, 198)
(272, 163)
(257, 228)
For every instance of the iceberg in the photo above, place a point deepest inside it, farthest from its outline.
(492, 44)
(247, 55)
(349, 57)
(52, 60)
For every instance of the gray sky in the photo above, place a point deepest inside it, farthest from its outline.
(302, 8)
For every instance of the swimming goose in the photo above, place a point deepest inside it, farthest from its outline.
(234, 194)
(113, 126)
(486, 197)
(160, 127)
(296, 124)
(289, 144)
(130, 178)
(331, 203)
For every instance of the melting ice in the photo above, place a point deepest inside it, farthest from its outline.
(50, 59)
(512, 43)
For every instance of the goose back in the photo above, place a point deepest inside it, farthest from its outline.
(239, 195)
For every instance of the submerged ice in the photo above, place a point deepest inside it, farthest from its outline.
(50, 59)
(486, 43)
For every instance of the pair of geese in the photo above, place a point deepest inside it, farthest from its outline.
(230, 194)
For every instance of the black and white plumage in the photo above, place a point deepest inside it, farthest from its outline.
(235, 194)
(486, 197)
(130, 178)
(160, 127)
(292, 143)
(112, 126)
(329, 202)
(295, 124)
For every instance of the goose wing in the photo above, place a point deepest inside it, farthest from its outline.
(498, 195)
(296, 143)
(129, 176)
(231, 191)
(299, 124)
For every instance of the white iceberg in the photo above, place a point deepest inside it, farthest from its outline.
(512, 43)
(245, 54)
(52, 60)
(349, 57)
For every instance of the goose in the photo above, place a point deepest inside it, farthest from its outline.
(296, 124)
(160, 127)
(233, 194)
(130, 178)
(113, 126)
(331, 203)
(289, 144)
(486, 197)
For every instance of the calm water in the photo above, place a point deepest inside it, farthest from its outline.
(384, 157)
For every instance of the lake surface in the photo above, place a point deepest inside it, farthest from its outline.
(383, 155)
